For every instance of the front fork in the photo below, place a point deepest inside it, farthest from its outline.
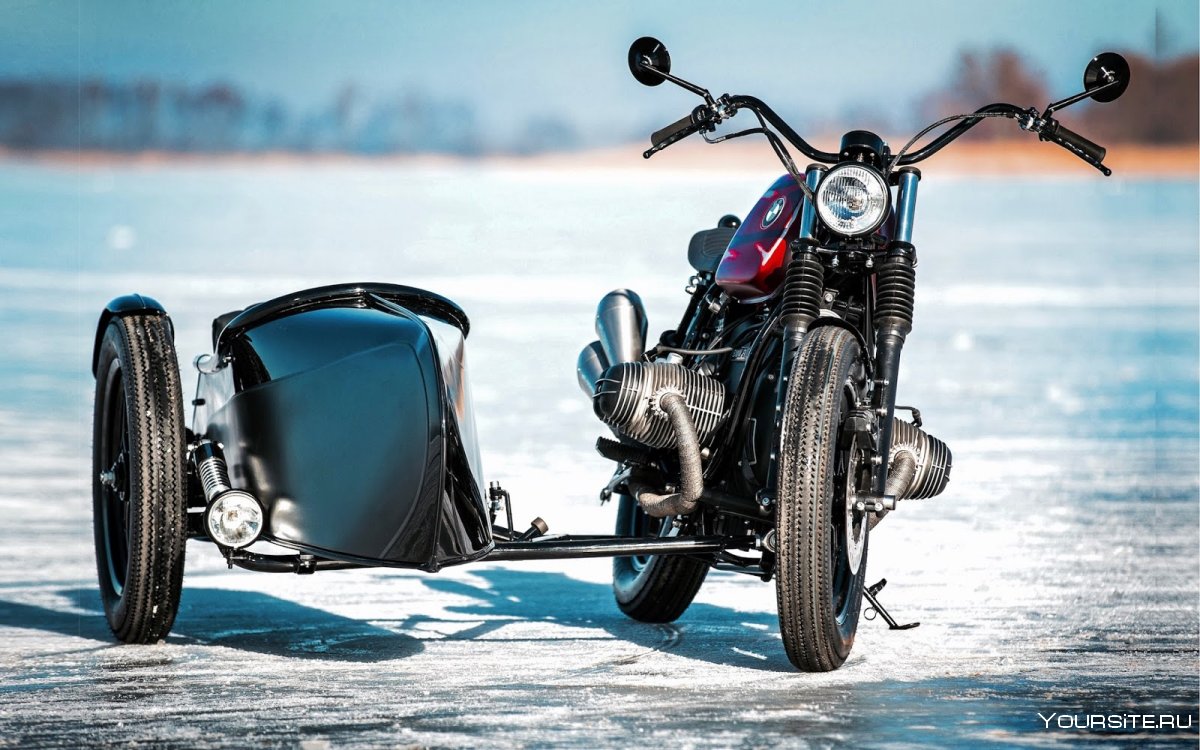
(895, 285)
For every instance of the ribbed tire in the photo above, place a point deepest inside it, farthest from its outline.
(654, 588)
(140, 508)
(819, 597)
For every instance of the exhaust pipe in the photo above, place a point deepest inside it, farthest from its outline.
(691, 473)
(621, 326)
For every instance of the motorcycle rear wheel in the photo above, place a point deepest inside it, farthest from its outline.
(818, 587)
(652, 588)
(139, 475)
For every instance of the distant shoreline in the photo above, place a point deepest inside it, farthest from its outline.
(1007, 157)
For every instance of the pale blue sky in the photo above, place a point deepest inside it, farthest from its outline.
(513, 60)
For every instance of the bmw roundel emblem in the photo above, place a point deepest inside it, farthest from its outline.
(773, 212)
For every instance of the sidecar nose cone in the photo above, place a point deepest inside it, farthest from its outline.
(234, 519)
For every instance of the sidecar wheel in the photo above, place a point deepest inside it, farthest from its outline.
(652, 588)
(139, 478)
(819, 583)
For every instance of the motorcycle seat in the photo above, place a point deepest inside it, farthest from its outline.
(708, 247)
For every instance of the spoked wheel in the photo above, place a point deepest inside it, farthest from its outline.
(822, 540)
(652, 588)
(139, 503)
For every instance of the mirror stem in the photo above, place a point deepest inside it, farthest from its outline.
(703, 93)
(1077, 98)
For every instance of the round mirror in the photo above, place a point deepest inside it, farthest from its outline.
(1103, 68)
(649, 51)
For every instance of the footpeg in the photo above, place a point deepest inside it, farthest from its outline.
(878, 609)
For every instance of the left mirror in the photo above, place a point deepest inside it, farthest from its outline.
(648, 51)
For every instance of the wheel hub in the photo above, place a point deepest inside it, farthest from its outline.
(856, 520)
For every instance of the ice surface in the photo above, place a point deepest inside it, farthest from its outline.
(1058, 358)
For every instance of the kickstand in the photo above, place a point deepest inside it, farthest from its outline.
(877, 609)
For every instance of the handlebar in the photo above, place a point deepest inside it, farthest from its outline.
(704, 117)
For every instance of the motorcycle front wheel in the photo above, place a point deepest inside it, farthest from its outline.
(652, 588)
(822, 541)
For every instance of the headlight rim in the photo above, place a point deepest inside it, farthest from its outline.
(822, 211)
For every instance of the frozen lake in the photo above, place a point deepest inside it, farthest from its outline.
(1055, 349)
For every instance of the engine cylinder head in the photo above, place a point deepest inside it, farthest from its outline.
(621, 326)
(590, 366)
(627, 400)
(933, 460)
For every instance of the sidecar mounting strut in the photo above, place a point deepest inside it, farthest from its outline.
(610, 546)
(550, 548)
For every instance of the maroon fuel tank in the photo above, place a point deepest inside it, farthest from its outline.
(752, 267)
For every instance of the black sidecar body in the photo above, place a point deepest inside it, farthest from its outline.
(346, 411)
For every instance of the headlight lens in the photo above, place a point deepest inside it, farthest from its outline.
(234, 519)
(852, 199)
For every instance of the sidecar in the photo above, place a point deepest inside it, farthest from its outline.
(335, 423)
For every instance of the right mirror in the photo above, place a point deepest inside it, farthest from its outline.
(1104, 68)
(649, 51)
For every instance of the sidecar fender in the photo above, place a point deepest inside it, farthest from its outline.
(129, 304)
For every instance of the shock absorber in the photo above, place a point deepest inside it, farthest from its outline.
(895, 288)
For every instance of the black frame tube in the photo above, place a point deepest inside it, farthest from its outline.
(608, 546)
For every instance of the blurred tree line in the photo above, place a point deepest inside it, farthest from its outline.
(1162, 105)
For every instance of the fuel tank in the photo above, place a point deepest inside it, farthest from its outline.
(753, 264)
(346, 411)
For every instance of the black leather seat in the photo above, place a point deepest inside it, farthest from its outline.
(708, 245)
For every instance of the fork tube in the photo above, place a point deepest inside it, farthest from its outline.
(895, 286)
(906, 204)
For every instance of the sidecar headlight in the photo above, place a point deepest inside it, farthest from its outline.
(234, 519)
(852, 199)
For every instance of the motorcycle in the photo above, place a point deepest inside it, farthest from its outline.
(759, 435)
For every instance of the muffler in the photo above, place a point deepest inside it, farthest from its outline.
(621, 326)
(590, 366)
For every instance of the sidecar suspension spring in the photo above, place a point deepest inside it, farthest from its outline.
(210, 467)
(802, 288)
(895, 290)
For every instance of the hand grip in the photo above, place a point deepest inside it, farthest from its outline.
(673, 132)
(1069, 139)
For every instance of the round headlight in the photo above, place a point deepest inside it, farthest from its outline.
(234, 519)
(852, 199)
